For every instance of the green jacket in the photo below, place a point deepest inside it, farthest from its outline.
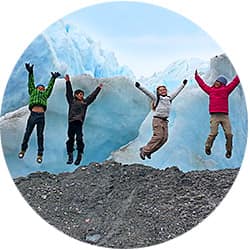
(39, 98)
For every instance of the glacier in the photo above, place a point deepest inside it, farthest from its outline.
(62, 47)
(112, 120)
(118, 123)
(189, 121)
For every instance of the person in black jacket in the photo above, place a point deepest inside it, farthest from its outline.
(77, 111)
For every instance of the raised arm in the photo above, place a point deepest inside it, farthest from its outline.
(145, 91)
(69, 90)
(178, 90)
(31, 82)
(233, 84)
(93, 95)
(51, 83)
(201, 83)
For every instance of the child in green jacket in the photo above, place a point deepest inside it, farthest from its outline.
(37, 106)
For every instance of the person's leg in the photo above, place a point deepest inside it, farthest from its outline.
(79, 143)
(29, 128)
(156, 140)
(70, 142)
(40, 124)
(214, 124)
(164, 127)
(226, 125)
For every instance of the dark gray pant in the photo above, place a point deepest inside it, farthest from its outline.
(75, 130)
(38, 120)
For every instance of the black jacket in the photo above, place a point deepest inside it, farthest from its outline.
(77, 109)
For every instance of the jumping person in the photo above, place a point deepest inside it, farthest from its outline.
(37, 106)
(218, 109)
(77, 111)
(161, 104)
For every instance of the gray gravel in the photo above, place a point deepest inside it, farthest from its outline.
(125, 206)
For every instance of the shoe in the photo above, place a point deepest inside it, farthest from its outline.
(142, 154)
(208, 151)
(70, 158)
(228, 154)
(39, 159)
(78, 159)
(148, 156)
(21, 154)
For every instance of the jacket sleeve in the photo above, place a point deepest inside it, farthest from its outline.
(31, 83)
(176, 92)
(233, 84)
(92, 96)
(50, 87)
(69, 92)
(148, 93)
(202, 84)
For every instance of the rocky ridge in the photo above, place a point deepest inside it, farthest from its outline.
(125, 206)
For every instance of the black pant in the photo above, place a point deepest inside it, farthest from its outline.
(37, 119)
(75, 129)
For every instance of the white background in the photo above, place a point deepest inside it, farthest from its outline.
(226, 22)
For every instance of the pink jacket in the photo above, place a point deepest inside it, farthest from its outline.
(218, 97)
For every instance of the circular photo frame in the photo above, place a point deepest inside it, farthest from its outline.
(124, 132)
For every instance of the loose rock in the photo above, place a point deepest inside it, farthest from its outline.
(125, 206)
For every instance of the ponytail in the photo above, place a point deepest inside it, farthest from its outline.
(155, 104)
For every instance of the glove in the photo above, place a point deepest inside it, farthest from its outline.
(29, 67)
(185, 81)
(137, 84)
(55, 74)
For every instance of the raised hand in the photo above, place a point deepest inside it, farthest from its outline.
(29, 67)
(137, 84)
(67, 79)
(55, 74)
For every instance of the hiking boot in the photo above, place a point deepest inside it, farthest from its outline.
(208, 150)
(209, 144)
(229, 145)
(142, 154)
(21, 154)
(78, 159)
(70, 158)
(39, 159)
(228, 154)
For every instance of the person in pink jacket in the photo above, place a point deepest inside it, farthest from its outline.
(218, 109)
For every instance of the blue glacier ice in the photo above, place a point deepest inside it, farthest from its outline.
(118, 123)
(64, 48)
(189, 121)
(111, 121)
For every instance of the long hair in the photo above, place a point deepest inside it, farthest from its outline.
(155, 104)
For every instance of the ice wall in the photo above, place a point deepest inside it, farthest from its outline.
(189, 123)
(111, 121)
(62, 48)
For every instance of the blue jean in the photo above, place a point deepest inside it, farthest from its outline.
(38, 120)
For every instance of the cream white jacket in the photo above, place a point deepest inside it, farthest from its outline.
(164, 106)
